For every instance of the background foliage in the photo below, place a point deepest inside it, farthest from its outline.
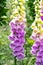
(3, 10)
(6, 57)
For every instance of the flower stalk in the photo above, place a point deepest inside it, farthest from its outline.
(17, 26)
(37, 35)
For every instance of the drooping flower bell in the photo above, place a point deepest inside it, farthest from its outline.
(39, 55)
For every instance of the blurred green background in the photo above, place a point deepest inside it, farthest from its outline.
(6, 57)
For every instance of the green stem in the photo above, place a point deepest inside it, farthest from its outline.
(26, 50)
(22, 62)
(15, 61)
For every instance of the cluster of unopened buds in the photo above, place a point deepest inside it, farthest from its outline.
(18, 9)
